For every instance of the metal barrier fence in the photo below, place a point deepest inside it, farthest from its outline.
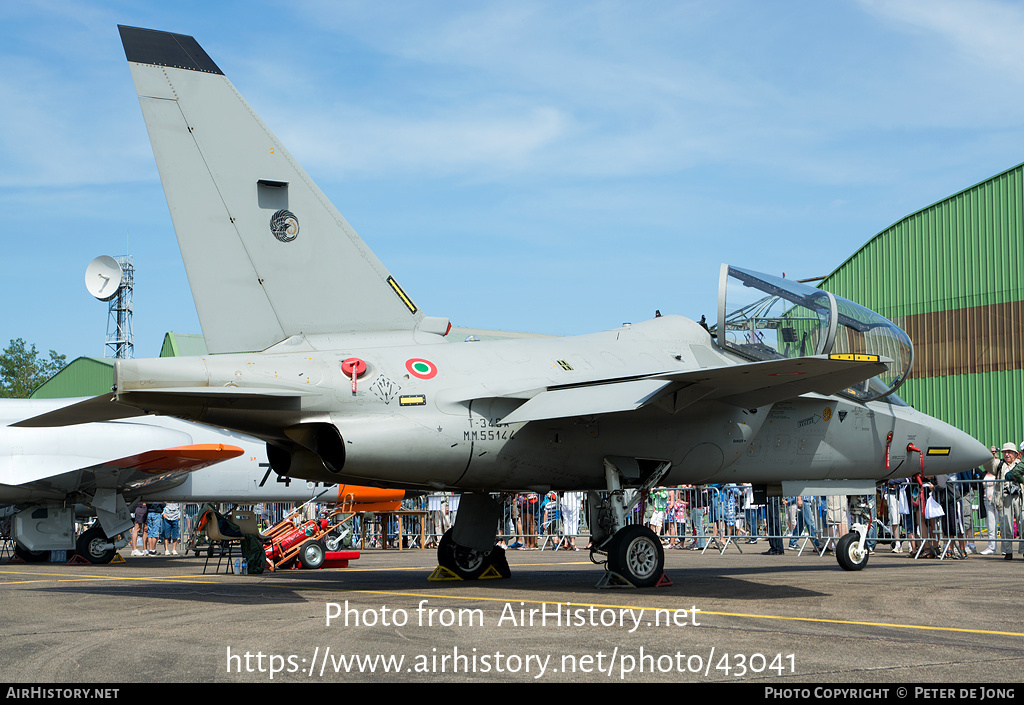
(922, 519)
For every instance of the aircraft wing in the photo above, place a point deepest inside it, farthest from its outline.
(747, 385)
(48, 475)
(101, 408)
(67, 472)
(181, 459)
(605, 398)
(185, 399)
(151, 466)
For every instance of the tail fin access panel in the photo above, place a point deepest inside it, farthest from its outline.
(267, 255)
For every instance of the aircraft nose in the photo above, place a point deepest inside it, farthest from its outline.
(965, 452)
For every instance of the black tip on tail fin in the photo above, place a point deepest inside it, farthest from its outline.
(150, 46)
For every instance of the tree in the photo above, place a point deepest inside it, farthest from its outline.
(22, 370)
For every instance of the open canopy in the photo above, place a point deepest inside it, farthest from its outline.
(764, 317)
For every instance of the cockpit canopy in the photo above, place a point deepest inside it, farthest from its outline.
(764, 317)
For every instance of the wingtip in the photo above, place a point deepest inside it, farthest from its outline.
(206, 451)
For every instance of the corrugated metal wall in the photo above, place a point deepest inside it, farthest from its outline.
(988, 406)
(83, 377)
(951, 275)
(92, 376)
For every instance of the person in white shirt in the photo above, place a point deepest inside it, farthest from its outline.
(171, 531)
(1008, 496)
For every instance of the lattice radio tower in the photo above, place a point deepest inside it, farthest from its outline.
(112, 280)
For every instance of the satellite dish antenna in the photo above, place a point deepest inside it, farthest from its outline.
(103, 277)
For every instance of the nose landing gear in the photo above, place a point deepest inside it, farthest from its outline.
(851, 550)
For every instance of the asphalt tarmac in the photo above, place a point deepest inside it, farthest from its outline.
(794, 621)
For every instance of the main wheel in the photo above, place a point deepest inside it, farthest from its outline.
(467, 563)
(312, 555)
(636, 553)
(94, 546)
(848, 552)
(30, 556)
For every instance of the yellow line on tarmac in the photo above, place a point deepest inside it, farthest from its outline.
(922, 627)
(49, 580)
(429, 568)
(56, 577)
(700, 614)
(64, 578)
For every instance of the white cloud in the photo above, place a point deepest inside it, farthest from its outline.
(984, 31)
(817, 92)
(357, 143)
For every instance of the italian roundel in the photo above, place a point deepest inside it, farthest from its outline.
(423, 369)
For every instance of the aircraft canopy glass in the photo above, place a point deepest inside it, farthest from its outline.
(764, 317)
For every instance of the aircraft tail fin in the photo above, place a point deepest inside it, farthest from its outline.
(267, 255)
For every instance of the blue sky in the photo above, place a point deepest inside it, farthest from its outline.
(554, 167)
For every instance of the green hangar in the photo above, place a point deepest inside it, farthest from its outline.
(950, 276)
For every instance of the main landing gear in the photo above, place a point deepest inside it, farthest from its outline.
(470, 563)
(40, 529)
(30, 556)
(635, 556)
(475, 554)
(94, 546)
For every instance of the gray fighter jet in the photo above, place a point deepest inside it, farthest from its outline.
(323, 355)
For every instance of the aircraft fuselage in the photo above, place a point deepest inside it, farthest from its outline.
(431, 415)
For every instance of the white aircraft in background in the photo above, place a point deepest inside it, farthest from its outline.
(108, 466)
(321, 354)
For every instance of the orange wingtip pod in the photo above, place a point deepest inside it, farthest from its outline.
(359, 494)
(192, 457)
(377, 506)
(206, 451)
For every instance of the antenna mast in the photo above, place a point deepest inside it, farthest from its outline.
(113, 280)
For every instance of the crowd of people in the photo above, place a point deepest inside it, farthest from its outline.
(530, 516)
(156, 523)
(1002, 498)
(923, 516)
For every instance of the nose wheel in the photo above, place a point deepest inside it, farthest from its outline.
(851, 552)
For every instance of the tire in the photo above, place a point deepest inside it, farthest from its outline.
(467, 563)
(846, 552)
(312, 555)
(30, 556)
(636, 553)
(94, 546)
